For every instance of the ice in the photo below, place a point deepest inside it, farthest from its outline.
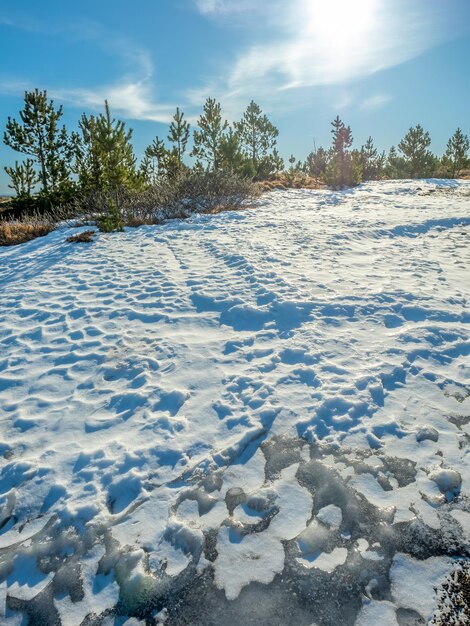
(331, 516)
(258, 415)
(325, 561)
(26, 580)
(374, 613)
(243, 560)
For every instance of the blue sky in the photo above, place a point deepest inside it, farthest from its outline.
(382, 65)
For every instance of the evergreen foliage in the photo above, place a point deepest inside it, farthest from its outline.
(316, 163)
(342, 170)
(40, 136)
(179, 136)
(419, 162)
(23, 178)
(232, 158)
(208, 138)
(456, 155)
(111, 220)
(395, 166)
(258, 138)
(371, 161)
(104, 154)
(101, 157)
(156, 161)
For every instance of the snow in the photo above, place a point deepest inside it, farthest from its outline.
(374, 613)
(331, 515)
(413, 582)
(325, 561)
(256, 408)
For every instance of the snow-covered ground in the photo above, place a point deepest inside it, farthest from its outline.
(260, 417)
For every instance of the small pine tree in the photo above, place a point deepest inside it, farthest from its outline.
(418, 159)
(39, 136)
(179, 136)
(456, 155)
(295, 172)
(316, 163)
(372, 163)
(155, 162)
(342, 170)
(276, 162)
(208, 138)
(23, 178)
(395, 166)
(232, 159)
(104, 154)
(111, 220)
(258, 136)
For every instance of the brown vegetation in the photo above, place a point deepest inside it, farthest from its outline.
(85, 236)
(287, 181)
(26, 229)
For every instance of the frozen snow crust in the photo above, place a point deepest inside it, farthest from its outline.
(260, 417)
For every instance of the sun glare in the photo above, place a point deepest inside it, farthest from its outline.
(341, 29)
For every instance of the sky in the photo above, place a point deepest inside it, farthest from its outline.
(382, 65)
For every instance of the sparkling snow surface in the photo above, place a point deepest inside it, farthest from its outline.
(260, 417)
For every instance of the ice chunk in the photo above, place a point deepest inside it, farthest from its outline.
(331, 516)
(242, 560)
(449, 481)
(326, 561)
(374, 613)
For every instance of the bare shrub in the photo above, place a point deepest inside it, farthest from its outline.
(190, 192)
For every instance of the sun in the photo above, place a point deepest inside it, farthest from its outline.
(340, 30)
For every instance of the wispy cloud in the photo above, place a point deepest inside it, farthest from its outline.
(132, 95)
(129, 100)
(206, 7)
(324, 42)
(231, 7)
(374, 103)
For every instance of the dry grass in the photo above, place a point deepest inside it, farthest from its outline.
(15, 232)
(285, 181)
(85, 236)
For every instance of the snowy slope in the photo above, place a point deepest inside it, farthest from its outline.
(278, 396)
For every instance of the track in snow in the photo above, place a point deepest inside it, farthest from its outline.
(257, 417)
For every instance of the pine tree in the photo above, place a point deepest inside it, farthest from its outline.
(342, 169)
(23, 178)
(372, 163)
(208, 138)
(276, 162)
(104, 154)
(456, 155)
(154, 165)
(179, 135)
(39, 136)
(232, 159)
(316, 163)
(257, 136)
(395, 166)
(419, 161)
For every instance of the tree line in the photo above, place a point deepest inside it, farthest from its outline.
(99, 155)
